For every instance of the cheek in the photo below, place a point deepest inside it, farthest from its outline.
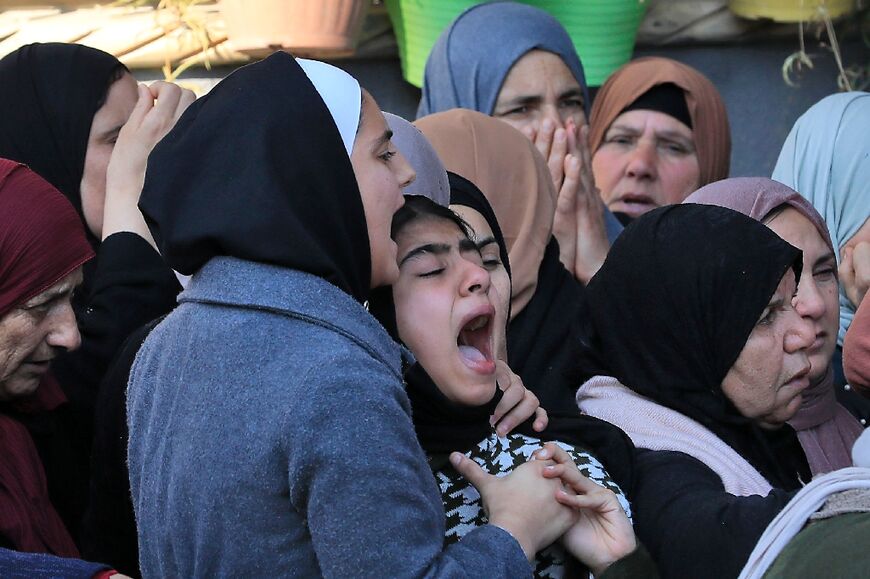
(679, 179)
(606, 170)
(579, 118)
(502, 285)
(422, 319)
(16, 344)
(751, 382)
(93, 185)
(521, 124)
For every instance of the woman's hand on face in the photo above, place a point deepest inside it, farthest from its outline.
(602, 534)
(590, 230)
(517, 403)
(522, 503)
(855, 272)
(578, 223)
(157, 109)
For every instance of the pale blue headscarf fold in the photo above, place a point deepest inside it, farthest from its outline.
(826, 158)
(472, 57)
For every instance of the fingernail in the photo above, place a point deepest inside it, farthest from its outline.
(560, 135)
(455, 458)
(492, 420)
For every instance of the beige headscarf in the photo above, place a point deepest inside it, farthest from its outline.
(512, 175)
(710, 128)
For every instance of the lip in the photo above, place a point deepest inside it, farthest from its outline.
(36, 366)
(484, 367)
(818, 342)
(634, 204)
(800, 379)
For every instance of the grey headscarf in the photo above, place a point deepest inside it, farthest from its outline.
(431, 178)
(472, 57)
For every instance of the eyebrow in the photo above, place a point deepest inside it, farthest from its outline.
(522, 100)
(433, 248)
(382, 140)
(669, 135)
(827, 258)
(465, 245)
(571, 92)
(484, 242)
(50, 295)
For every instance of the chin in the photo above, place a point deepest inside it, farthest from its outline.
(19, 387)
(476, 394)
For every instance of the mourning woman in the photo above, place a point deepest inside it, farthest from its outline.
(42, 250)
(826, 158)
(716, 366)
(446, 311)
(526, 72)
(270, 432)
(83, 123)
(658, 131)
(826, 430)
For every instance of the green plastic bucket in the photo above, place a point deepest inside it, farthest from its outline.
(603, 31)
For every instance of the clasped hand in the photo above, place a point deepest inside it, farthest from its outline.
(548, 499)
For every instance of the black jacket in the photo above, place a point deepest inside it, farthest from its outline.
(691, 526)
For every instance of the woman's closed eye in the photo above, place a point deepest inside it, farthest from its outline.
(825, 272)
(432, 272)
(490, 259)
(767, 317)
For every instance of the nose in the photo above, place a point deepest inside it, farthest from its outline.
(404, 171)
(64, 332)
(799, 336)
(550, 112)
(475, 279)
(642, 161)
(809, 302)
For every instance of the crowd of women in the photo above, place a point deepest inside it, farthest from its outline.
(528, 334)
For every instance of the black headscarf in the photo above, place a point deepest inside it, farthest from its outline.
(464, 192)
(49, 94)
(257, 170)
(671, 309)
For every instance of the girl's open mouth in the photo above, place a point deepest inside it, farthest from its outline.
(475, 341)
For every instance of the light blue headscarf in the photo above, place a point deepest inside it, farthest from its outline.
(472, 57)
(826, 158)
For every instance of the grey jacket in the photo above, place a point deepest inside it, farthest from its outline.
(270, 433)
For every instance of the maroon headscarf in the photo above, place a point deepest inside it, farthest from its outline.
(42, 240)
(825, 429)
